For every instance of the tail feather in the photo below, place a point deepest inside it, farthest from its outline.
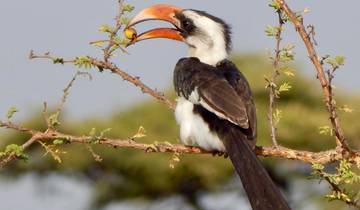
(262, 192)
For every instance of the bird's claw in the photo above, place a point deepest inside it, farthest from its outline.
(220, 154)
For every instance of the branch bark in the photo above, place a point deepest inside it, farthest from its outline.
(324, 157)
(335, 121)
(103, 65)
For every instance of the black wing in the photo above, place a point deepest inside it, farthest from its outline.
(242, 88)
(221, 90)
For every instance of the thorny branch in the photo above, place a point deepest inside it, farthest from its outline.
(108, 51)
(325, 78)
(321, 75)
(335, 188)
(103, 65)
(278, 152)
(275, 74)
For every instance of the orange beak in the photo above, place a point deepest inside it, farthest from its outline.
(157, 12)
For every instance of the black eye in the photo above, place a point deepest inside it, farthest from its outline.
(188, 25)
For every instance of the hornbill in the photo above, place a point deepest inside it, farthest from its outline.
(215, 107)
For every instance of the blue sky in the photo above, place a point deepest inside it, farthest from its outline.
(65, 28)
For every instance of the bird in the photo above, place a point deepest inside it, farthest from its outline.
(214, 107)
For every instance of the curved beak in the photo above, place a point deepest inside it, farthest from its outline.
(157, 12)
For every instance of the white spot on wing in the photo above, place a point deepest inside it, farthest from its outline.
(194, 96)
(219, 114)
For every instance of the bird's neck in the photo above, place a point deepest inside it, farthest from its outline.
(209, 53)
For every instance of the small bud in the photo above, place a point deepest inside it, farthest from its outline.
(307, 10)
(130, 33)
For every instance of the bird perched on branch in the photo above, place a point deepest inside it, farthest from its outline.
(215, 108)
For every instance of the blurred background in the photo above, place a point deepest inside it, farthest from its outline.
(128, 179)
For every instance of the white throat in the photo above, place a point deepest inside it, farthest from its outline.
(209, 55)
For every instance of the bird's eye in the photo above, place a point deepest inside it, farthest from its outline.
(187, 25)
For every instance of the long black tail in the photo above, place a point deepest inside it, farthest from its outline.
(262, 193)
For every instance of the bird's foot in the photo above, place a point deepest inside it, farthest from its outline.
(220, 154)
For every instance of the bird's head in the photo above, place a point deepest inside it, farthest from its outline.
(208, 37)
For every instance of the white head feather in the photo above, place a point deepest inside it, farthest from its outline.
(209, 44)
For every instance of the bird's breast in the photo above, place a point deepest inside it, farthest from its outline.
(193, 129)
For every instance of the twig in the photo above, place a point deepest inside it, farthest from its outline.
(275, 74)
(102, 65)
(336, 188)
(134, 80)
(46, 115)
(67, 88)
(12, 156)
(107, 50)
(335, 121)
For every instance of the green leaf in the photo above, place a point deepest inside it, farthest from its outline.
(299, 16)
(274, 4)
(121, 41)
(306, 10)
(332, 62)
(289, 73)
(58, 60)
(340, 60)
(58, 142)
(285, 87)
(325, 130)
(289, 47)
(287, 53)
(105, 28)
(270, 30)
(83, 61)
(54, 119)
(346, 109)
(336, 62)
(317, 166)
(16, 150)
(11, 112)
(140, 133)
(128, 7)
(98, 44)
(124, 20)
(92, 132)
(103, 133)
(277, 115)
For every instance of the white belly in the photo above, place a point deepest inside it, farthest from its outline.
(193, 129)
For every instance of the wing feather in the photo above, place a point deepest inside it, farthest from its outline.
(221, 99)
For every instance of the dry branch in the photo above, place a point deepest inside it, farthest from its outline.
(103, 65)
(274, 151)
(326, 87)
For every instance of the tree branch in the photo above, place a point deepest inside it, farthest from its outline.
(272, 86)
(326, 89)
(102, 65)
(274, 151)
